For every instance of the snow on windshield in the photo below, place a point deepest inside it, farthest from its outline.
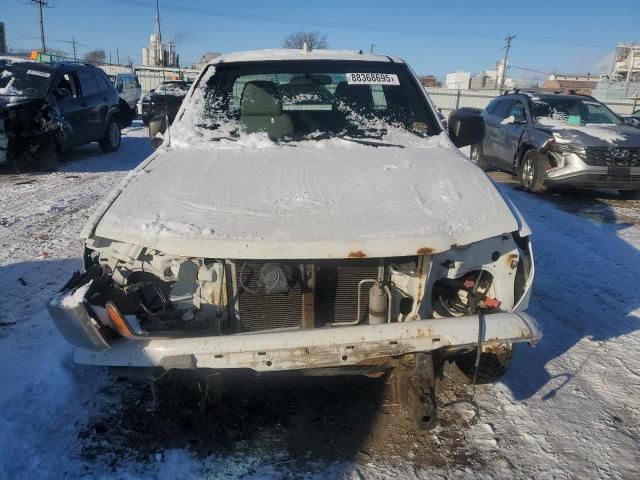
(23, 79)
(7, 82)
(256, 107)
(578, 115)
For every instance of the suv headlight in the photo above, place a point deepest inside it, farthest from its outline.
(560, 151)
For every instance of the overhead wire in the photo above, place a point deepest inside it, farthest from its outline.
(357, 26)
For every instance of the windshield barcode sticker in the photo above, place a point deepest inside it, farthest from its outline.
(38, 73)
(372, 79)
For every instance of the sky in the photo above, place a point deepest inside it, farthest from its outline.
(434, 37)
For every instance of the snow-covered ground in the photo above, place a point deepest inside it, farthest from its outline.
(569, 408)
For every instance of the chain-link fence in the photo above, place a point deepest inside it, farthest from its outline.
(448, 100)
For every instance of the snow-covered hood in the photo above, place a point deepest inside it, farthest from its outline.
(594, 135)
(326, 200)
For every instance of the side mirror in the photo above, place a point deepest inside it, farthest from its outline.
(61, 93)
(157, 125)
(632, 122)
(465, 128)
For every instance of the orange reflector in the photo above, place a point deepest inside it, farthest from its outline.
(118, 321)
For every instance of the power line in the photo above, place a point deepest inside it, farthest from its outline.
(531, 70)
(356, 26)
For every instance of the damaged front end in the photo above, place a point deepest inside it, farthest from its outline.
(137, 306)
(30, 130)
(405, 317)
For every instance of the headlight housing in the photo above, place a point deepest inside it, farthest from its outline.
(559, 151)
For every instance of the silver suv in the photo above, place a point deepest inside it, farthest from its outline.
(553, 141)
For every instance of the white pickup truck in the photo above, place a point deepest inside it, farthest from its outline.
(307, 212)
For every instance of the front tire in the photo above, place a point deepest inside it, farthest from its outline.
(476, 155)
(110, 142)
(630, 194)
(492, 366)
(532, 171)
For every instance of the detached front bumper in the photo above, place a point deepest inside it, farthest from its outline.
(358, 345)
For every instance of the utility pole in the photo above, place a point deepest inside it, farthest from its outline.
(41, 4)
(118, 55)
(73, 41)
(507, 46)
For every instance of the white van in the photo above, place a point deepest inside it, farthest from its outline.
(126, 83)
(128, 88)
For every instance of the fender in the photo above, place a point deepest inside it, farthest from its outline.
(127, 114)
(525, 143)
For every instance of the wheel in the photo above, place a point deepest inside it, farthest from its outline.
(630, 194)
(533, 170)
(49, 154)
(110, 142)
(477, 157)
(491, 368)
(45, 158)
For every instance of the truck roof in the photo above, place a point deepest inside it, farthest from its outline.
(297, 54)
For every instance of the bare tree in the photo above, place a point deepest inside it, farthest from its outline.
(96, 56)
(314, 40)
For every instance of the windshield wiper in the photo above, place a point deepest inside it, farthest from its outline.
(327, 135)
(370, 143)
(217, 139)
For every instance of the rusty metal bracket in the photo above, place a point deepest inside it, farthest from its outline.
(412, 386)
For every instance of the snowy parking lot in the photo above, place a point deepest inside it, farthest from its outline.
(569, 408)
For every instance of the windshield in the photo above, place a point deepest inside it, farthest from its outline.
(311, 100)
(23, 79)
(573, 111)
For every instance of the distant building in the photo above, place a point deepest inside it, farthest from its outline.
(492, 79)
(626, 65)
(486, 80)
(429, 81)
(582, 83)
(624, 79)
(158, 54)
(3, 40)
(458, 80)
(206, 58)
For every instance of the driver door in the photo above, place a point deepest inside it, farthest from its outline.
(72, 110)
(512, 128)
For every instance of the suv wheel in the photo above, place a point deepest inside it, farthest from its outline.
(491, 368)
(110, 142)
(533, 170)
(476, 156)
(630, 194)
